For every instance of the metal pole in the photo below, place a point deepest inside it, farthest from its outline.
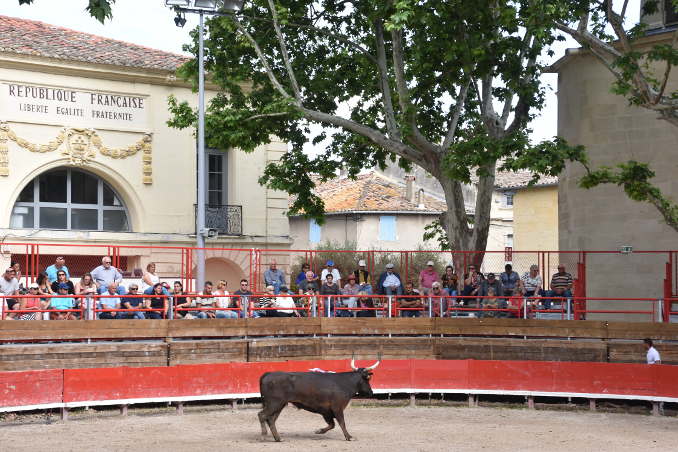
(569, 310)
(430, 307)
(389, 307)
(200, 211)
(314, 306)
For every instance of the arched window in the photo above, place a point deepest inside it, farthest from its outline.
(67, 198)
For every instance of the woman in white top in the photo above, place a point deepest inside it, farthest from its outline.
(149, 279)
(223, 302)
(531, 282)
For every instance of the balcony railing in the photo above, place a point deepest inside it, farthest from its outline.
(227, 219)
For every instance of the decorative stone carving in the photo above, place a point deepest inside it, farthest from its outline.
(81, 147)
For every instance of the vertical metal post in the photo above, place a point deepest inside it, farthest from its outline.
(200, 211)
(430, 307)
(314, 306)
(525, 307)
(569, 309)
(389, 304)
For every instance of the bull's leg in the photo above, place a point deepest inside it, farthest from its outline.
(262, 419)
(268, 416)
(339, 416)
(329, 418)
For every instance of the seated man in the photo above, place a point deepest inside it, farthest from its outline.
(110, 300)
(562, 279)
(9, 286)
(105, 274)
(364, 301)
(510, 281)
(274, 277)
(389, 282)
(363, 278)
(410, 302)
(62, 304)
(558, 296)
(427, 277)
(310, 284)
(440, 299)
(351, 289)
(265, 301)
(285, 303)
(206, 300)
(329, 288)
(133, 303)
(244, 294)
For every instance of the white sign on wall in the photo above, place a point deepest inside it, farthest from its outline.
(69, 107)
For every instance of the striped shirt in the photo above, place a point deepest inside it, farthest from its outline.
(563, 279)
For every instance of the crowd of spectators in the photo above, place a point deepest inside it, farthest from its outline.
(102, 294)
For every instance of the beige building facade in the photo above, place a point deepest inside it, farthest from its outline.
(604, 218)
(535, 218)
(87, 158)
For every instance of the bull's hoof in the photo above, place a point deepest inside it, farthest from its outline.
(351, 438)
(278, 440)
(320, 431)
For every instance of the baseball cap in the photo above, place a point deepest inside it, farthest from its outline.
(34, 286)
(330, 263)
(361, 263)
(270, 288)
(490, 275)
(389, 265)
(435, 284)
(429, 263)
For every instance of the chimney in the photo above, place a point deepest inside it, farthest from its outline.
(409, 188)
(420, 198)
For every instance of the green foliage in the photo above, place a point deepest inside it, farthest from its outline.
(435, 231)
(99, 9)
(486, 48)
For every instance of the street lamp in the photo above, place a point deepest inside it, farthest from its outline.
(201, 7)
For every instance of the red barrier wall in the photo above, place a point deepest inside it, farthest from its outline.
(30, 388)
(72, 387)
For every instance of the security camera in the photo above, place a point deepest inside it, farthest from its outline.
(210, 233)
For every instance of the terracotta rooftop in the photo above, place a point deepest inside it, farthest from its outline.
(372, 192)
(30, 37)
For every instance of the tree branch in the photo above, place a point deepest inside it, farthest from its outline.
(271, 76)
(283, 51)
(389, 114)
(266, 115)
(456, 113)
(662, 89)
(404, 98)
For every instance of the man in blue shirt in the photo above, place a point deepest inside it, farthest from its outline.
(274, 277)
(110, 301)
(105, 274)
(63, 303)
(59, 265)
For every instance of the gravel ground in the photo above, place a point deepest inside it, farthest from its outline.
(375, 428)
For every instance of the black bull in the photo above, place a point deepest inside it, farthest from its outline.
(324, 393)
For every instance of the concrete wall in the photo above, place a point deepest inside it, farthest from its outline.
(605, 218)
(535, 219)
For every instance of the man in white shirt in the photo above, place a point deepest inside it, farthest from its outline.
(652, 353)
(331, 270)
(285, 301)
(9, 286)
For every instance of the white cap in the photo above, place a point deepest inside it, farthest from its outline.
(429, 263)
(361, 263)
(389, 265)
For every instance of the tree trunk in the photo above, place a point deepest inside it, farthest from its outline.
(471, 241)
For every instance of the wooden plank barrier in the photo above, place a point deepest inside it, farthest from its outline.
(128, 385)
(221, 328)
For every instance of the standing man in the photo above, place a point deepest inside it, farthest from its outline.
(105, 274)
(562, 279)
(652, 353)
(330, 269)
(9, 286)
(58, 265)
(274, 277)
(427, 277)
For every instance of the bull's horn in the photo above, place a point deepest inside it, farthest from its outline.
(374, 366)
(353, 362)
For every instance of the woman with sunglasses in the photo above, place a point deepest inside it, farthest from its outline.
(28, 305)
(62, 278)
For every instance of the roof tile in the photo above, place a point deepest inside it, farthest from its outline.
(30, 37)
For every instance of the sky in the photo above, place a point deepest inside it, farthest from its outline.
(150, 23)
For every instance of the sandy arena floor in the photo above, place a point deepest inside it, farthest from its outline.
(376, 429)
